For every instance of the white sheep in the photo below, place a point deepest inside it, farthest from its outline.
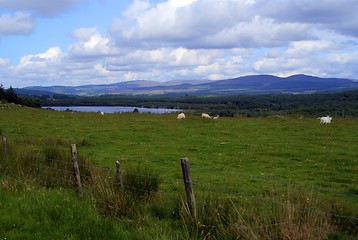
(325, 120)
(181, 116)
(205, 115)
(102, 113)
(216, 117)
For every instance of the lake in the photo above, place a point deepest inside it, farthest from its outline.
(112, 109)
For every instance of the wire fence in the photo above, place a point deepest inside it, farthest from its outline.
(61, 170)
(215, 170)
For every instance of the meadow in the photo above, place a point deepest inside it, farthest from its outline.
(257, 166)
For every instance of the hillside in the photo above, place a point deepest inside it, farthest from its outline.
(279, 172)
(253, 84)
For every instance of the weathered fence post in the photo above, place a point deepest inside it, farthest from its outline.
(76, 170)
(119, 176)
(5, 145)
(188, 187)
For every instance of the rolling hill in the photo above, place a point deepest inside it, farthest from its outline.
(252, 84)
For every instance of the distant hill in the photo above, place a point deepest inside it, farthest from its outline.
(253, 84)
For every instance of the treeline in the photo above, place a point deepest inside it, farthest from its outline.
(339, 104)
(9, 95)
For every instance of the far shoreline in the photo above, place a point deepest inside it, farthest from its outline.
(111, 109)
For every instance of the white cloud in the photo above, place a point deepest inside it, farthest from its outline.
(4, 62)
(255, 34)
(37, 69)
(340, 16)
(101, 70)
(20, 15)
(19, 23)
(89, 43)
(177, 23)
(231, 24)
(42, 60)
(302, 49)
(321, 58)
(342, 64)
(40, 7)
(207, 24)
(199, 39)
(137, 8)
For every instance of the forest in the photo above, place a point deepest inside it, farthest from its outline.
(338, 104)
(10, 95)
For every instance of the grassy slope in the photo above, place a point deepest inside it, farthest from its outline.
(254, 156)
(56, 214)
(50, 214)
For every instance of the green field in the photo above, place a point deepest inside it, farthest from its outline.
(266, 161)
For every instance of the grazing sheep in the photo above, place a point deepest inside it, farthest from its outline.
(181, 116)
(102, 113)
(325, 120)
(216, 117)
(205, 115)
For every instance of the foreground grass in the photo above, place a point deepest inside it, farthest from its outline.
(51, 214)
(257, 162)
(36, 213)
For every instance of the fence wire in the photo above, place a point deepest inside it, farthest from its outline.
(211, 189)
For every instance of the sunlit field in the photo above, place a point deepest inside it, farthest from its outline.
(250, 159)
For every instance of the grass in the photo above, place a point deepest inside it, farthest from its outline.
(293, 162)
(36, 213)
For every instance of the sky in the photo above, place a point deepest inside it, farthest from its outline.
(80, 42)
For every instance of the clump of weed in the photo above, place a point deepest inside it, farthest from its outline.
(141, 182)
(297, 223)
(55, 167)
(111, 200)
(228, 217)
(84, 143)
(54, 141)
(216, 218)
(138, 188)
(342, 220)
(49, 164)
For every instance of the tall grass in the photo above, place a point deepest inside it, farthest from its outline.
(139, 187)
(218, 216)
(49, 165)
(228, 218)
(46, 172)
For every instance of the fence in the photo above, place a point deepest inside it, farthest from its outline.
(79, 173)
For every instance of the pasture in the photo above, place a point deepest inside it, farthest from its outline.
(267, 160)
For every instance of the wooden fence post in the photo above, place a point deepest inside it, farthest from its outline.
(5, 145)
(119, 176)
(188, 187)
(76, 170)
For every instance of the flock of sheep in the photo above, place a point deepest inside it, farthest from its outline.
(203, 115)
(323, 120)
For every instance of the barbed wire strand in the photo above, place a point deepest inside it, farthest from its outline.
(197, 184)
(282, 182)
(271, 201)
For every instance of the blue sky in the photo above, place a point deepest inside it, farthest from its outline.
(78, 42)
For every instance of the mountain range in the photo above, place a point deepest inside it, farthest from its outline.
(252, 84)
